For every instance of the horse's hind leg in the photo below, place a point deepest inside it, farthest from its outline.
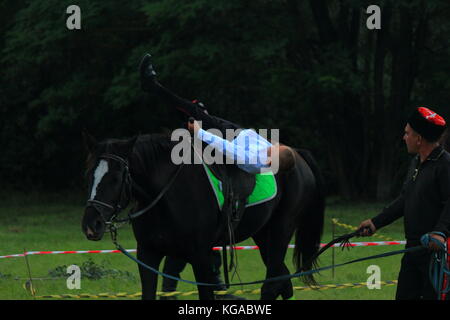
(271, 290)
(286, 290)
(273, 257)
(203, 272)
(149, 279)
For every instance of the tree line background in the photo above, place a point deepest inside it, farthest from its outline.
(310, 68)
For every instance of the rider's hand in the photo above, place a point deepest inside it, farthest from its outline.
(193, 126)
(367, 227)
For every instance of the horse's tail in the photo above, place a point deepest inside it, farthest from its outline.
(310, 223)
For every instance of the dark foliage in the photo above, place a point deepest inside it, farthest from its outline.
(309, 68)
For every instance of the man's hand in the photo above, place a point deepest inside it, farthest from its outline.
(367, 227)
(434, 246)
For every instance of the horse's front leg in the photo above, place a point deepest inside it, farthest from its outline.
(203, 271)
(149, 279)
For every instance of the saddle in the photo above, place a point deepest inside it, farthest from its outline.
(235, 190)
(236, 185)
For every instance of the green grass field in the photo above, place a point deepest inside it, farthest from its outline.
(50, 223)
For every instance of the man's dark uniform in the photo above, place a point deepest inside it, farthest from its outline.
(424, 203)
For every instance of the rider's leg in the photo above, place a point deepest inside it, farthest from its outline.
(193, 109)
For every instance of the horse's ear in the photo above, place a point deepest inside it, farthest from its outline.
(89, 141)
(130, 145)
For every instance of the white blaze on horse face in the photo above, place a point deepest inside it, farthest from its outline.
(99, 173)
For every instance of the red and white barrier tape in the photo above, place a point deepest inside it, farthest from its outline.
(354, 244)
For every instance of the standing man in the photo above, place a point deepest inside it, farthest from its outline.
(423, 202)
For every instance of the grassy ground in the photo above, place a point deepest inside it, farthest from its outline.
(37, 223)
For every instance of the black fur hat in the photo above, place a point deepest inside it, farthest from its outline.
(427, 123)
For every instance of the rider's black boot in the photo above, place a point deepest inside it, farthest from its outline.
(147, 73)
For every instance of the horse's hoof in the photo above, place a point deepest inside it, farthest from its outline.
(168, 298)
(228, 297)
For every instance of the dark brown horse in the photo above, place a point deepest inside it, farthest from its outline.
(185, 222)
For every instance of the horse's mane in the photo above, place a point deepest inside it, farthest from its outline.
(149, 153)
(155, 142)
(147, 146)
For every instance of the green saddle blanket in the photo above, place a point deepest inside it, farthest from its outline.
(265, 188)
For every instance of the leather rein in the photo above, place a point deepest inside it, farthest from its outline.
(126, 195)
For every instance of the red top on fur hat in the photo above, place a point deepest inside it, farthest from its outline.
(431, 116)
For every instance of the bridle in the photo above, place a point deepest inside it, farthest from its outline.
(125, 192)
(126, 195)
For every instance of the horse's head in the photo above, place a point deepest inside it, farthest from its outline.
(109, 183)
